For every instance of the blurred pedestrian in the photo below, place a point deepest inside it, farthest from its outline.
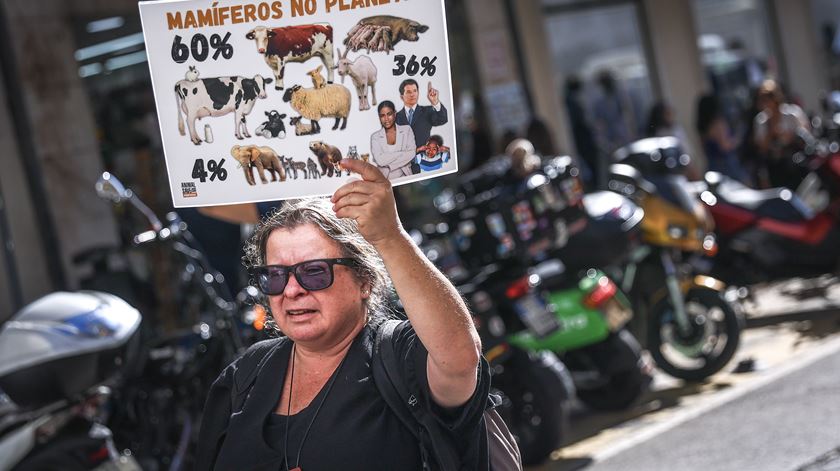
(507, 137)
(540, 136)
(482, 141)
(661, 123)
(779, 129)
(613, 114)
(582, 131)
(719, 145)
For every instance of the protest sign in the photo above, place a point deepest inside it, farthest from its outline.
(258, 101)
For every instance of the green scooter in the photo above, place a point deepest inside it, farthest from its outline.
(582, 321)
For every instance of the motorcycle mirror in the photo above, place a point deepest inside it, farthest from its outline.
(110, 188)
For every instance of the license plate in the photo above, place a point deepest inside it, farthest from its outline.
(616, 314)
(536, 316)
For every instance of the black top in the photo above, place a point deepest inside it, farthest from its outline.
(355, 428)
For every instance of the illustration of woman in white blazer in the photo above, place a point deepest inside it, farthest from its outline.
(392, 147)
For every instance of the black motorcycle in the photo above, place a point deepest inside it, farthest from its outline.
(156, 412)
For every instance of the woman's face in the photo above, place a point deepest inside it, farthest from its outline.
(387, 117)
(318, 318)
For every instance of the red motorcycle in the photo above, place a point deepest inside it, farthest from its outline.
(778, 233)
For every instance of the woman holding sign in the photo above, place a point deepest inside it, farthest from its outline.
(309, 400)
(392, 147)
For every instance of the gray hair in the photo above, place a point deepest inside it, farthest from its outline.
(345, 232)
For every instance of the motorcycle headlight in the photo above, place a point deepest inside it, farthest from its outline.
(677, 232)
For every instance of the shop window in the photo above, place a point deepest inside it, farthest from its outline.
(737, 52)
(826, 18)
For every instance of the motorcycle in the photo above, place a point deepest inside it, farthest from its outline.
(156, 412)
(582, 322)
(535, 387)
(60, 356)
(775, 234)
(688, 325)
(509, 233)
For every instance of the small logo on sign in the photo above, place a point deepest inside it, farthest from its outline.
(188, 190)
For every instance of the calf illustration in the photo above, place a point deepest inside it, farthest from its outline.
(218, 96)
(294, 44)
(274, 127)
(292, 168)
(312, 168)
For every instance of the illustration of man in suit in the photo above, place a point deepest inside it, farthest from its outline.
(421, 118)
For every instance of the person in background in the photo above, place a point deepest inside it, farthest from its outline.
(590, 159)
(719, 145)
(778, 130)
(507, 137)
(482, 141)
(613, 114)
(540, 136)
(661, 123)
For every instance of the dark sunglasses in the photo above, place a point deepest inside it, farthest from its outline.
(311, 275)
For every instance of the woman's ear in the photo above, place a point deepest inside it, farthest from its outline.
(365, 290)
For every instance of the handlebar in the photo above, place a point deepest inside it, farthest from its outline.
(176, 231)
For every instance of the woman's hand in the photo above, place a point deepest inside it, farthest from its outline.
(370, 201)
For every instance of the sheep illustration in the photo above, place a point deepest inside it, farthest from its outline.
(332, 101)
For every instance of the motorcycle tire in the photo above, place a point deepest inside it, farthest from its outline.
(532, 388)
(623, 386)
(711, 344)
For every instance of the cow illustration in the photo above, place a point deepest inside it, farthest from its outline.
(294, 44)
(218, 96)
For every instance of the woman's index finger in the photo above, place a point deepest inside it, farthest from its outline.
(368, 172)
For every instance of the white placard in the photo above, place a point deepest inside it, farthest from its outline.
(229, 77)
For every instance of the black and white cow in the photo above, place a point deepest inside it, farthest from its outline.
(218, 96)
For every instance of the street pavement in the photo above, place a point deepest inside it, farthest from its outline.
(783, 426)
(780, 410)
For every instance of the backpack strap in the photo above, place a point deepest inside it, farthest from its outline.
(405, 401)
(248, 366)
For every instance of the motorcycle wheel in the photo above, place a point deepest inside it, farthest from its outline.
(533, 403)
(624, 386)
(712, 341)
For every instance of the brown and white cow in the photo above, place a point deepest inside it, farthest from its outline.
(294, 44)
(218, 96)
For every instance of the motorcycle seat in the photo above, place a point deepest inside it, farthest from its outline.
(775, 203)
